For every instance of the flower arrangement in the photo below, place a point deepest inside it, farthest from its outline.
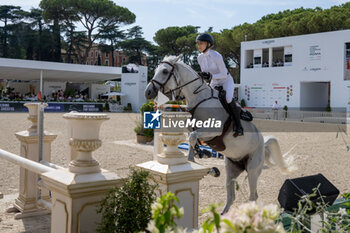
(246, 218)
(251, 217)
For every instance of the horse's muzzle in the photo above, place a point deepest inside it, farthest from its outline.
(150, 92)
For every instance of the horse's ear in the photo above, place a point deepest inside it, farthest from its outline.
(178, 58)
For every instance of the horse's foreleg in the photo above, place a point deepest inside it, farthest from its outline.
(201, 134)
(193, 139)
(254, 168)
(190, 156)
(232, 172)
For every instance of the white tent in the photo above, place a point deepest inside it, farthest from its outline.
(17, 69)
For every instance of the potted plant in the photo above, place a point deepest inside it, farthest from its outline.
(243, 104)
(128, 108)
(105, 107)
(144, 135)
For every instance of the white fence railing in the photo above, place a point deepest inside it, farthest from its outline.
(296, 115)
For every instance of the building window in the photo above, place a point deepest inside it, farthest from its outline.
(96, 54)
(257, 60)
(265, 58)
(288, 58)
(106, 62)
(347, 61)
(249, 58)
(92, 53)
(277, 56)
(288, 55)
(107, 53)
(124, 59)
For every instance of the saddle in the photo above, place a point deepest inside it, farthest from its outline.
(217, 142)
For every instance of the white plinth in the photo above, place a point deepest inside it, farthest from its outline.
(183, 181)
(26, 203)
(75, 198)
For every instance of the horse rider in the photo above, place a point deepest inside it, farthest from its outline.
(213, 68)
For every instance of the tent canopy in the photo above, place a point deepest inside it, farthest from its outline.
(17, 69)
(114, 94)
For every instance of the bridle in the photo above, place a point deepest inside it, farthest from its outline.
(162, 85)
(196, 91)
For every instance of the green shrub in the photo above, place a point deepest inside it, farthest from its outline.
(147, 107)
(128, 209)
(328, 108)
(128, 107)
(106, 106)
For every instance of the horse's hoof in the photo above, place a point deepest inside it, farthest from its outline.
(214, 171)
(224, 211)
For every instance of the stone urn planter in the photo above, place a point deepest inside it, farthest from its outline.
(33, 110)
(85, 129)
(173, 135)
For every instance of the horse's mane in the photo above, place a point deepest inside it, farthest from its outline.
(172, 59)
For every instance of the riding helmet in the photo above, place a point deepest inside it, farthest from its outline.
(205, 37)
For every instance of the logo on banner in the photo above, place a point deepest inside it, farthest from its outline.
(151, 120)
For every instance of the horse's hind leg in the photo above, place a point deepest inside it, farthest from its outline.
(254, 168)
(232, 172)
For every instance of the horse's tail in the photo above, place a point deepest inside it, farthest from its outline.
(273, 155)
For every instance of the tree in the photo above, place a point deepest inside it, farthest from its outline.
(135, 45)
(166, 38)
(8, 14)
(36, 23)
(80, 39)
(93, 15)
(188, 47)
(113, 35)
(154, 56)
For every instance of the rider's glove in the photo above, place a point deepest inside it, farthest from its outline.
(206, 76)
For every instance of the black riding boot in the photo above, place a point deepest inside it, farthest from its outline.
(236, 118)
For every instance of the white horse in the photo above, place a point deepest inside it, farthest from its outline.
(248, 152)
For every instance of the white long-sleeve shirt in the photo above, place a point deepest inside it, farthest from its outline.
(212, 62)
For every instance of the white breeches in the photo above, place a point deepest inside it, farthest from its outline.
(228, 86)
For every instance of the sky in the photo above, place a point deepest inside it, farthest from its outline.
(153, 15)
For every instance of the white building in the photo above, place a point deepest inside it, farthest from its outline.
(133, 86)
(306, 72)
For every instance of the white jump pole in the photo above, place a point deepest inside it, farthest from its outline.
(41, 120)
(41, 128)
(25, 163)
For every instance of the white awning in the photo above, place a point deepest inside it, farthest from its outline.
(17, 69)
(114, 94)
